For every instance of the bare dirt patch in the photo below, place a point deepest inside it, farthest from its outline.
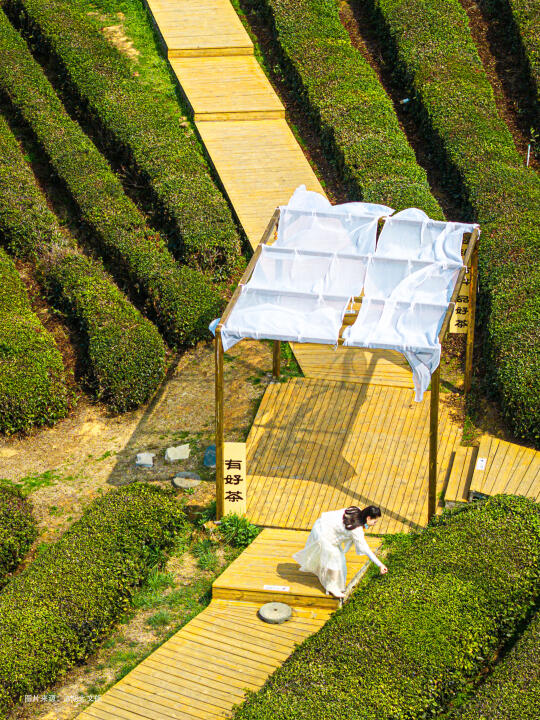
(116, 35)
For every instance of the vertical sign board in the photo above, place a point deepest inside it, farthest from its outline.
(234, 478)
(459, 322)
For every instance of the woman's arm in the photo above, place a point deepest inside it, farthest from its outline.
(362, 547)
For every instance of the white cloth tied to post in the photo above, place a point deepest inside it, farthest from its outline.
(325, 256)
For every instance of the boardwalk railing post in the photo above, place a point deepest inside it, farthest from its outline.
(433, 441)
(276, 359)
(220, 487)
(472, 317)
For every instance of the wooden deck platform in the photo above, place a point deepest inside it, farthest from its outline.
(266, 572)
(503, 467)
(317, 446)
(203, 670)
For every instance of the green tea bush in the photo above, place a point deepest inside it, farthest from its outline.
(123, 352)
(345, 99)
(33, 390)
(149, 133)
(18, 530)
(180, 299)
(437, 59)
(525, 15)
(408, 641)
(512, 691)
(56, 611)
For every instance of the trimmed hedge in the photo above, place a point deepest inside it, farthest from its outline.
(343, 96)
(18, 530)
(149, 132)
(525, 15)
(410, 640)
(124, 353)
(512, 691)
(436, 56)
(56, 611)
(179, 298)
(33, 391)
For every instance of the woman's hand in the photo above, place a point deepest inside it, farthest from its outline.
(384, 570)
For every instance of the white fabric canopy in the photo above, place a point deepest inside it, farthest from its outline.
(326, 255)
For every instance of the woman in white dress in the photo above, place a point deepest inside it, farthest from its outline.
(324, 555)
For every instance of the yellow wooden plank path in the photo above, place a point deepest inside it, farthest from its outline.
(266, 571)
(260, 165)
(191, 28)
(227, 88)
(317, 446)
(459, 481)
(503, 467)
(205, 668)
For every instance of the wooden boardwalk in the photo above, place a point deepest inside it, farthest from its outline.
(316, 446)
(239, 117)
(205, 669)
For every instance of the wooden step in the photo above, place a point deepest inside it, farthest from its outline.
(266, 572)
(504, 467)
(191, 28)
(227, 88)
(461, 472)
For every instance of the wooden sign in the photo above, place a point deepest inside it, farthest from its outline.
(234, 478)
(459, 322)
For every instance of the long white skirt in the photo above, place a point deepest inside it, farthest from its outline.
(324, 559)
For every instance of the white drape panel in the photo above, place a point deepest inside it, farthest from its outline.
(309, 221)
(412, 234)
(281, 315)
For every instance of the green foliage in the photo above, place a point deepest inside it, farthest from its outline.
(148, 133)
(18, 530)
(410, 640)
(525, 15)
(512, 691)
(124, 353)
(56, 611)
(179, 298)
(32, 383)
(205, 552)
(206, 514)
(343, 96)
(436, 56)
(238, 531)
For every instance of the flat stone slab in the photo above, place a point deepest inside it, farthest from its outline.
(275, 613)
(180, 452)
(145, 459)
(185, 480)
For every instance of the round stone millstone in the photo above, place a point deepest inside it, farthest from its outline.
(275, 613)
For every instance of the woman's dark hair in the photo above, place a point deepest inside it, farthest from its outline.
(353, 517)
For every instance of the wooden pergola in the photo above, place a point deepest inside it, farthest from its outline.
(470, 267)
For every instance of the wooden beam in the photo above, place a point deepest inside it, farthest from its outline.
(270, 227)
(276, 359)
(220, 420)
(472, 318)
(433, 441)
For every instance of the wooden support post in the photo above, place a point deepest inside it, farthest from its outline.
(472, 317)
(433, 441)
(220, 487)
(276, 359)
